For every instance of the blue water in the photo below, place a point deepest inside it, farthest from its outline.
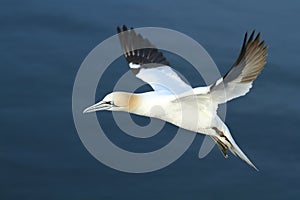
(42, 45)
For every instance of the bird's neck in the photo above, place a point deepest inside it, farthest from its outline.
(148, 104)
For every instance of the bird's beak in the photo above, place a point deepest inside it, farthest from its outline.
(102, 105)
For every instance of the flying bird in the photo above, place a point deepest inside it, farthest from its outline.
(193, 109)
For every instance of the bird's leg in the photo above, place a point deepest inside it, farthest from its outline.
(221, 146)
(223, 142)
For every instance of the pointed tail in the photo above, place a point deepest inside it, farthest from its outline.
(235, 148)
(226, 141)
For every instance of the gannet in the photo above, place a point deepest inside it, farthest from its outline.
(193, 109)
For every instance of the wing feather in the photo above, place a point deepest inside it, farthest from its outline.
(148, 63)
(239, 79)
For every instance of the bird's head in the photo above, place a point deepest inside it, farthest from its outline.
(115, 101)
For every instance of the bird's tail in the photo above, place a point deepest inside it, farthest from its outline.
(225, 141)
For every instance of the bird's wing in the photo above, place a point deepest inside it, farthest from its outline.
(238, 80)
(149, 64)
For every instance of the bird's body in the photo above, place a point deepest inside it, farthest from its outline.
(169, 108)
(174, 101)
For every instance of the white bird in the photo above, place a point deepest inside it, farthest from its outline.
(176, 102)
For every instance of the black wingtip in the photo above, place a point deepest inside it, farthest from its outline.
(257, 38)
(247, 43)
(118, 29)
(251, 36)
(246, 36)
(124, 27)
(245, 40)
(131, 44)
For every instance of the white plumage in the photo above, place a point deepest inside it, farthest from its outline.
(175, 101)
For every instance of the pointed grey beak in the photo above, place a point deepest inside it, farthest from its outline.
(102, 105)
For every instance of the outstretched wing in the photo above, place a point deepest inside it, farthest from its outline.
(238, 80)
(149, 64)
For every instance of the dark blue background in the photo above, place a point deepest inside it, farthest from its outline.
(42, 45)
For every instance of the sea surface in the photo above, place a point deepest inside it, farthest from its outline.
(43, 44)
